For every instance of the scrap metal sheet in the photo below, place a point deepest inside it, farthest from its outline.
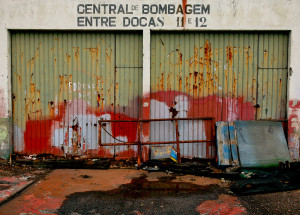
(261, 144)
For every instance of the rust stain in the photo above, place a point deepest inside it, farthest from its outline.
(158, 84)
(108, 56)
(19, 79)
(265, 57)
(94, 52)
(68, 58)
(162, 81)
(13, 103)
(51, 108)
(229, 54)
(186, 84)
(98, 100)
(246, 51)
(180, 57)
(207, 52)
(76, 52)
(234, 85)
(208, 59)
(195, 89)
(180, 84)
(35, 57)
(173, 111)
(117, 87)
(184, 2)
(76, 136)
(273, 61)
(102, 103)
(280, 84)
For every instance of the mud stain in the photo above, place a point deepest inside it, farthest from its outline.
(141, 196)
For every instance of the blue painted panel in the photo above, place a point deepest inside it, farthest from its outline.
(223, 144)
(233, 144)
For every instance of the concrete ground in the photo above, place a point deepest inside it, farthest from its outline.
(129, 191)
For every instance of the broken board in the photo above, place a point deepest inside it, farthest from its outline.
(223, 144)
(233, 144)
(163, 152)
(261, 144)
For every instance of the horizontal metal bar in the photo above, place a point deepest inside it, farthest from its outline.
(129, 67)
(163, 119)
(273, 120)
(155, 143)
(271, 68)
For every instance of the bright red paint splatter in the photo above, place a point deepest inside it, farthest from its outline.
(38, 135)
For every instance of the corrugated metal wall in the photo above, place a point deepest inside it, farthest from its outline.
(63, 82)
(229, 76)
(272, 76)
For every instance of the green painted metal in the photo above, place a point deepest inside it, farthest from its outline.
(246, 65)
(272, 75)
(64, 81)
(227, 75)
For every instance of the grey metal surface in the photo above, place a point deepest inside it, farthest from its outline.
(261, 144)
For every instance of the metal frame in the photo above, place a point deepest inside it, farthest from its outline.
(140, 143)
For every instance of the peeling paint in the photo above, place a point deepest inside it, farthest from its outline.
(294, 128)
(5, 144)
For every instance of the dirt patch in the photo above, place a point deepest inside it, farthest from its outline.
(24, 171)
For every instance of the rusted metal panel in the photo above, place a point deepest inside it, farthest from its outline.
(261, 144)
(128, 89)
(272, 75)
(63, 82)
(215, 74)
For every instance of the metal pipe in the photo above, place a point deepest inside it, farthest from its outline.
(139, 145)
(177, 140)
(163, 119)
(156, 143)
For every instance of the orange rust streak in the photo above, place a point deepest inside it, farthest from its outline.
(265, 57)
(184, 12)
(186, 84)
(162, 81)
(68, 57)
(207, 61)
(180, 84)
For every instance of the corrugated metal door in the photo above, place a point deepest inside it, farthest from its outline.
(214, 74)
(63, 82)
(272, 76)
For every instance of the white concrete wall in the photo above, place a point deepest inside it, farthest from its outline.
(224, 15)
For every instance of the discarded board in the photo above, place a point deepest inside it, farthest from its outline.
(223, 144)
(163, 152)
(233, 144)
(261, 144)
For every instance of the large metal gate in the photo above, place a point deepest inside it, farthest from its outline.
(63, 82)
(228, 76)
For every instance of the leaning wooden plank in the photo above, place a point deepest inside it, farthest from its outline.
(233, 144)
(223, 144)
